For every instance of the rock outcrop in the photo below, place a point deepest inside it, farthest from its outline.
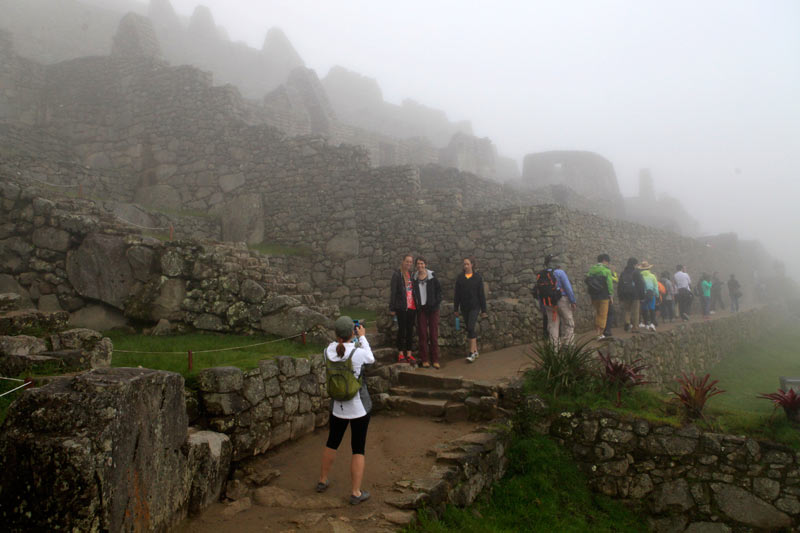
(107, 450)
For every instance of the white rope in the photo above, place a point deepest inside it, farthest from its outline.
(12, 379)
(215, 349)
(52, 184)
(14, 389)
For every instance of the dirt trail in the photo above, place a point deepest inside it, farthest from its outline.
(396, 450)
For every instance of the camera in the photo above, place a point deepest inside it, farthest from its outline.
(356, 324)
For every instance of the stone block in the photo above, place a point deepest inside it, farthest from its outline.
(51, 239)
(742, 506)
(224, 403)
(672, 496)
(22, 345)
(281, 433)
(302, 425)
(221, 379)
(99, 269)
(253, 389)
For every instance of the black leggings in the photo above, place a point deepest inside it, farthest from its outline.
(405, 329)
(472, 321)
(358, 433)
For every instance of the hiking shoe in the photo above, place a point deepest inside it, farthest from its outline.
(355, 500)
(471, 357)
(401, 358)
(601, 337)
(651, 327)
(627, 328)
(642, 325)
(410, 359)
(426, 364)
(436, 366)
(321, 487)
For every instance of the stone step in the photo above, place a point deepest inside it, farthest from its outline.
(458, 395)
(449, 410)
(386, 356)
(427, 381)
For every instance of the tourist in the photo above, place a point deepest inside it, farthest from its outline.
(650, 295)
(631, 293)
(668, 303)
(600, 286)
(427, 297)
(699, 291)
(683, 284)
(353, 412)
(705, 290)
(612, 315)
(716, 292)
(469, 300)
(735, 292)
(403, 308)
(557, 301)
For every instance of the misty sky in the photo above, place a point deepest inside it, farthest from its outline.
(705, 94)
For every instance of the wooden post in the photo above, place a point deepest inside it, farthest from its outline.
(80, 190)
(303, 337)
(171, 232)
(191, 361)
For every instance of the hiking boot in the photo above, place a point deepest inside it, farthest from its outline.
(651, 327)
(436, 366)
(601, 337)
(410, 358)
(426, 364)
(355, 500)
(401, 358)
(642, 325)
(471, 357)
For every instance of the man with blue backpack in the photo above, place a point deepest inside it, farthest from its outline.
(554, 292)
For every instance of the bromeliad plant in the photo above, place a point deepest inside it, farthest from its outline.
(620, 375)
(695, 391)
(789, 401)
(561, 368)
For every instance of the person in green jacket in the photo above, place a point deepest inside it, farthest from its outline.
(705, 287)
(650, 296)
(600, 285)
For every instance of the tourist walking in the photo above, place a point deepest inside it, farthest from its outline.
(427, 298)
(683, 284)
(345, 359)
(705, 290)
(668, 303)
(631, 293)
(716, 292)
(650, 295)
(612, 314)
(403, 308)
(469, 300)
(734, 292)
(557, 300)
(600, 286)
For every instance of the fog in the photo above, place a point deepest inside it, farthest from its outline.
(704, 94)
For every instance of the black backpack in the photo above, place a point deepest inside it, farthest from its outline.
(597, 286)
(546, 288)
(627, 285)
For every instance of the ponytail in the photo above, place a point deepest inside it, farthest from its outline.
(340, 349)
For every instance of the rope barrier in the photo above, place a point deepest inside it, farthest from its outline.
(52, 184)
(183, 352)
(12, 379)
(15, 389)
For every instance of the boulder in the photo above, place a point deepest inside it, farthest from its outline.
(105, 451)
(293, 321)
(99, 269)
(243, 219)
(98, 316)
(49, 302)
(159, 196)
(745, 508)
(9, 285)
(22, 345)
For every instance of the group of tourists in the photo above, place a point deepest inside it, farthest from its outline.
(644, 297)
(414, 299)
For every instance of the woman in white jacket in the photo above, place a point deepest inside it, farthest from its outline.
(352, 412)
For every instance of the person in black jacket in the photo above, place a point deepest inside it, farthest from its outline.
(427, 297)
(470, 301)
(631, 293)
(402, 306)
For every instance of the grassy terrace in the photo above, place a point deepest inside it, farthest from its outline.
(244, 358)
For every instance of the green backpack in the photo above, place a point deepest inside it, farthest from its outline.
(342, 384)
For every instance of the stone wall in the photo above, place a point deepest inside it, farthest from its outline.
(685, 476)
(72, 255)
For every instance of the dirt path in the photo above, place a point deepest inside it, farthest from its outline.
(397, 449)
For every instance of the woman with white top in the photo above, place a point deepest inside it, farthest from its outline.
(352, 412)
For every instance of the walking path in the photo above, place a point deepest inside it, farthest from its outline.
(399, 448)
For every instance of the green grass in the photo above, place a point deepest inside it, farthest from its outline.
(279, 249)
(361, 313)
(542, 491)
(754, 368)
(245, 359)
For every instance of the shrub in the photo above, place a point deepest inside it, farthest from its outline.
(561, 368)
(790, 401)
(695, 392)
(620, 375)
